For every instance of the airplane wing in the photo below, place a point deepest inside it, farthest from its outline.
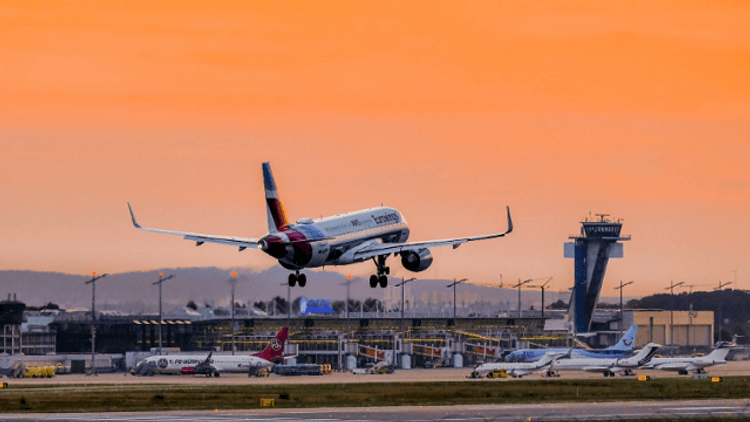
(377, 249)
(200, 239)
(519, 372)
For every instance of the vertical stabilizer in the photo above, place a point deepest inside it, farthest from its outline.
(274, 352)
(626, 342)
(718, 354)
(274, 208)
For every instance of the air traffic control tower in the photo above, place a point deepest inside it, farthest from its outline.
(598, 241)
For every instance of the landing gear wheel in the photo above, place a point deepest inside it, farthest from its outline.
(383, 281)
(302, 280)
(387, 271)
(216, 375)
(373, 281)
(293, 280)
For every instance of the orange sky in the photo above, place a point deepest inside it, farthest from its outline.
(447, 111)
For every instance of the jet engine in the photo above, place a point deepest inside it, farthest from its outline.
(416, 261)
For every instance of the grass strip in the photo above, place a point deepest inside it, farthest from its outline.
(163, 397)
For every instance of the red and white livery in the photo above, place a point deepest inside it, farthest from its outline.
(374, 233)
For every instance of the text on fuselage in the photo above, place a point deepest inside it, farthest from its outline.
(388, 218)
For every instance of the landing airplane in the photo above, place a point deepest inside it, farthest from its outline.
(696, 365)
(343, 239)
(608, 366)
(214, 366)
(624, 346)
(518, 370)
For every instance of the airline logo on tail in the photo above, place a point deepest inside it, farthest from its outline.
(276, 214)
(626, 342)
(274, 352)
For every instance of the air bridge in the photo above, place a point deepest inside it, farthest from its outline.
(598, 242)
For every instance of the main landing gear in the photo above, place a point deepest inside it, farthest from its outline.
(297, 278)
(382, 275)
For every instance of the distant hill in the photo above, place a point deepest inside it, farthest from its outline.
(134, 292)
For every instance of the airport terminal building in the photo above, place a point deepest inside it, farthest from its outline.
(347, 343)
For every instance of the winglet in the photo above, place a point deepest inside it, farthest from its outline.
(510, 222)
(132, 216)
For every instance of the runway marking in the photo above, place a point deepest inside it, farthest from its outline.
(477, 418)
(703, 408)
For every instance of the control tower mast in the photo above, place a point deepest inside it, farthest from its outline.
(598, 241)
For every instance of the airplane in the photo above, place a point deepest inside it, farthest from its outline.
(214, 366)
(607, 366)
(518, 370)
(622, 347)
(343, 239)
(697, 365)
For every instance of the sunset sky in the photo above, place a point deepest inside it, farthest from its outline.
(447, 111)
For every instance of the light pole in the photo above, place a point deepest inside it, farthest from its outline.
(347, 283)
(402, 297)
(542, 287)
(721, 286)
(289, 303)
(454, 296)
(520, 283)
(671, 312)
(161, 280)
(94, 277)
(620, 289)
(233, 282)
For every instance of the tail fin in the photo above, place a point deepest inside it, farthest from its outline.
(646, 354)
(275, 350)
(547, 359)
(274, 208)
(627, 340)
(719, 353)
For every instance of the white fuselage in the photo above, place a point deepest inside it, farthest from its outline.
(334, 240)
(185, 363)
(516, 369)
(513, 369)
(715, 358)
(607, 365)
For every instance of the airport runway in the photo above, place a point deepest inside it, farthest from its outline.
(733, 368)
(485, 413)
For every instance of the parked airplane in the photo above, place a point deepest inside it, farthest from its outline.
(518, 370)
(607, 366)
(623, 347)
(192, 364)
(697, 365)
(344, 239)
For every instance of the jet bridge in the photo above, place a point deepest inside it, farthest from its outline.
(598, 242)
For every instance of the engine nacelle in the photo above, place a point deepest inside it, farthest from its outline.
(416, 261)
